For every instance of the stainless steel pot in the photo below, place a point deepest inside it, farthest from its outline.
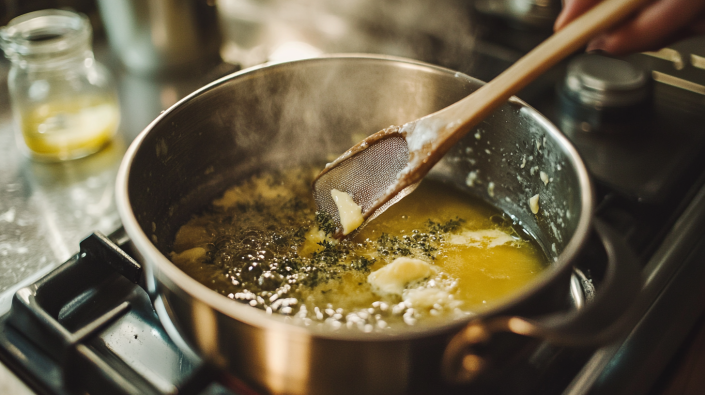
(286, 114)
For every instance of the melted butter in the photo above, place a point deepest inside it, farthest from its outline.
(260, 244)
(72, 128)
(488, 261)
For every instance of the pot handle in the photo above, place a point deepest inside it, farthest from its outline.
(601, 321)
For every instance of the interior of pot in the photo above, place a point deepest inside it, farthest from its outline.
(311, 111)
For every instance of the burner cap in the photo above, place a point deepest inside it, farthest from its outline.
(602, 82)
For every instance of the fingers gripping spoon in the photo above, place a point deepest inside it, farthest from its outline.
(386, 166)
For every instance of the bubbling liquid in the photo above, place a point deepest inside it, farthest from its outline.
(438, 254)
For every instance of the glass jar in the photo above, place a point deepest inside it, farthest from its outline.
(64, 102)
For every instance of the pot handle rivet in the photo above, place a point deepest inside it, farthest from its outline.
(460, 363)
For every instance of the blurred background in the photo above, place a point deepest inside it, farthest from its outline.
(161, 50)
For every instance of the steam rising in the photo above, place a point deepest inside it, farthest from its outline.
(439, 32)
(436, 31)
(310, 110)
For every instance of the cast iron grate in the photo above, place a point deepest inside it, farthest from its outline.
(88, 327)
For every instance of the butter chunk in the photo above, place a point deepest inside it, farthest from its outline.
(350, 213)
(193, 255)
(534, 204)
(488, 238)
(393, 278)
(544, 178)
(190, 236)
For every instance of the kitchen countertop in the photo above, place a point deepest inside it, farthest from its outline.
(46, 209)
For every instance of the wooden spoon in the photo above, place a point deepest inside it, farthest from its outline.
(386, 166)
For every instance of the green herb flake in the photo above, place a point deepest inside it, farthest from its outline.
(451, 225)
(325, 222)
(362, 264)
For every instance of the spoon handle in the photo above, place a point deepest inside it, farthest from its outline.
(455, 121)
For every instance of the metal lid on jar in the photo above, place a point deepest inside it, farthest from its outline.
(603, 82)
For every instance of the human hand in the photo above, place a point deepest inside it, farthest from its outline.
(656, 25)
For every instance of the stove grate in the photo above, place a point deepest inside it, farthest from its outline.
(75, 331)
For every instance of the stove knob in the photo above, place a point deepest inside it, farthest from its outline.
(599, 93)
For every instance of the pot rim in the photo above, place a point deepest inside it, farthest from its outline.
(258, 318)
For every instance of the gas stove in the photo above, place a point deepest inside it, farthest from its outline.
(88, 327)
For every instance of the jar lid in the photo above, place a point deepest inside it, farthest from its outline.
(604, 82)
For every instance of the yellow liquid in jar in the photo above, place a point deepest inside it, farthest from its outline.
(69, 129)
